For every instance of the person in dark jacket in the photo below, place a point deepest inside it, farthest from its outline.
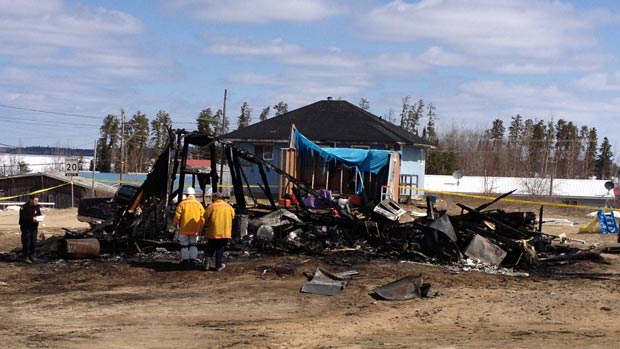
(29, 226)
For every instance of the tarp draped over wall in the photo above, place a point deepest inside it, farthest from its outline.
(364, 160)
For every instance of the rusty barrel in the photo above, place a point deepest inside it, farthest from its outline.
(81, 248)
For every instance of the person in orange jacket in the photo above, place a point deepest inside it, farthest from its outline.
(218, 217)
(189, 217)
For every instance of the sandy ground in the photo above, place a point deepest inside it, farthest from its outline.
(110, 303)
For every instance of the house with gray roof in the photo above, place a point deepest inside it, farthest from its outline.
(332, 123)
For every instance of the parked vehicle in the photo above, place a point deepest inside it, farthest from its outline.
(98, 210)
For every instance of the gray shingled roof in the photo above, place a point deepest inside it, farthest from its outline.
(329, 121)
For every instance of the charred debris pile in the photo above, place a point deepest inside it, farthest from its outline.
(481, 234)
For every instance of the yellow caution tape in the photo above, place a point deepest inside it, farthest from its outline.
(87, 180)
(529, 202)
(483, 197)
(34, 192)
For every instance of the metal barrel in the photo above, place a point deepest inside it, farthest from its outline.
(81, 248)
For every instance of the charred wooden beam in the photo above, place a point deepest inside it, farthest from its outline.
(540, 219)
(515, 233)
(576, 256)
(235, 167)
(483, 206)
(214, 176)
(247, 185)
(267, 188)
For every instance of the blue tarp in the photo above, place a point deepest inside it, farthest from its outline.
(365, 160)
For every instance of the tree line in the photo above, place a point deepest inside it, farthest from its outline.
(139, 141)
(523, 147)
(46, 150)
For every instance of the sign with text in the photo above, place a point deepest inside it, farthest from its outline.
(72, 166)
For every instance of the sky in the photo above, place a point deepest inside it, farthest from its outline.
(66, 64)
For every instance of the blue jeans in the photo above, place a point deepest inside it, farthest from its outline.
(29, 241)
(216, 247)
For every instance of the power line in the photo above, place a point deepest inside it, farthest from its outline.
(45, 123)
(50, 112)
(70, 114)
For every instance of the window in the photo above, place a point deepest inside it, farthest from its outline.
(360, 147)
(264, 150)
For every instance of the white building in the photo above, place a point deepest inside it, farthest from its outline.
(9, 163)
(570, 191)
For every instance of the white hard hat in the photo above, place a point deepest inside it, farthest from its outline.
(190, 191)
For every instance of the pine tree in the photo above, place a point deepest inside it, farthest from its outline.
(415, 114)
(515, 145)
(515, 130)
(567, 140)
(604, 160)
(495, 162)
(404, 113)
(364, 104)
(411, 114)
(224, 126)
(590, 152)
(137, 138)
(244, 118)
(264, 114)
(525, 168)
(107, 145)
(159, 132)
(280, 108)
(536, 152)
(206, 123)
(429, 131)
(496, 132)
(23, 167)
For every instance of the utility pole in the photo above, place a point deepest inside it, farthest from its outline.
(122, 145)
(221, 133)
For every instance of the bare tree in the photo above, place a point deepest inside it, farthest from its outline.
(537, 186)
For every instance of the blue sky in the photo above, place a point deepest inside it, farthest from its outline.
(475, 60)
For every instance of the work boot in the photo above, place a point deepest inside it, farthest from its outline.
(221, 267)
(207, 263)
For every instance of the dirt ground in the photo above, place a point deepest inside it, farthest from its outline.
(111, 303)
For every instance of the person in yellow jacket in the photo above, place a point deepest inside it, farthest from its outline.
(218, 217)
(189, 217)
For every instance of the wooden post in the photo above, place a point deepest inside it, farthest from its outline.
(327, 179)
(313, 170)
(94, 165)
(72, 196)
(281, 180)
(122, 146)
